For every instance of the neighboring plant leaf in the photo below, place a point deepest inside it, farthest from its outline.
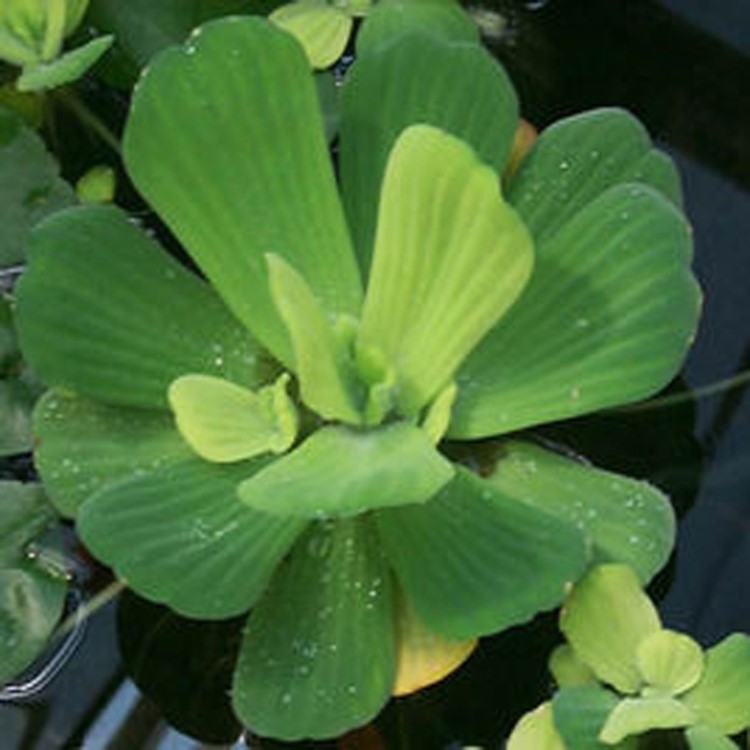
(225, 422)
(703, 737)
(386, 21)
(318, 656)
(627, 521)
(338, 471)
(65, 69)
(92, 318)
(473, 561)
(424, 657)
(270, 188)
(605, 618)
(181, 537)
(31, 604)
(536, 731)
(456, 87)
(183, 666)
(322, 29)
(577, 159)
(329, 98)
(30, 187)
(32, 596)
(97, 185)
(579, 714)
(722, 698)
(450, 258)
(634, 716)
(607, 317)
(83, 445)
(16, 402)
(670, 662)
(318, 359)
(567, 669)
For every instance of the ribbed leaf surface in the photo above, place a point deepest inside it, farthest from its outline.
(634, 716)
(318, 654)
(703, 737)
(104, 311)
(450, 258)
(670, 662)
(607, 317)
(82, 445)
(417, 79)
(238, 170)
(626, 520)
(179, 535)
(473, 561)
(576, 159)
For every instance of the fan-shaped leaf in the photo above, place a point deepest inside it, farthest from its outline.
(318, 655)
(606, 319)
(268, 187)
(474, 561)
(670, 662)
(181, 536)
(104, 311)
(634, 716)
(418, 79)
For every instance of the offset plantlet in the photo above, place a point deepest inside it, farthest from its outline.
(32, 33)
(621, 675)
(270, 439)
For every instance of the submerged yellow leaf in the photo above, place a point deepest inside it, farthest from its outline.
(423, 657)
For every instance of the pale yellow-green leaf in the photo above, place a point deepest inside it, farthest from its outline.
(224, 422)
(322, 29)
(568, 669)
(97, 185)
(634, 716)
(450, 258)
(536, 731)
(605, 618)
(319, 363)
(669, 661)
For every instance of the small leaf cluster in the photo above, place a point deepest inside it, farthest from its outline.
(621, 675)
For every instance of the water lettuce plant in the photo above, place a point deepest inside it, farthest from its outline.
(275, 434)
(621, 674)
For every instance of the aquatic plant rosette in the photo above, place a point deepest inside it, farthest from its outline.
(622, 675)
(274, 437)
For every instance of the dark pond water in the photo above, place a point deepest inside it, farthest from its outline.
(683, 66)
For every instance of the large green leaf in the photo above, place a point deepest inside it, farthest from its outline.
(339, 471)
(627, 521)
(104, 311)
(606, 319)
(418, 79)
(389, 19)
(580, 713)
(576, 159)
(30, 187)
(474, 561)
(179, 535)
(83, 445)
(270, 188)
(32, 594)
(318, 656)
(450, 258)
(722, 697)
(605, 618)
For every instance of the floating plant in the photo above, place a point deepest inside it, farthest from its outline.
(622, 674)
(275, 437)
